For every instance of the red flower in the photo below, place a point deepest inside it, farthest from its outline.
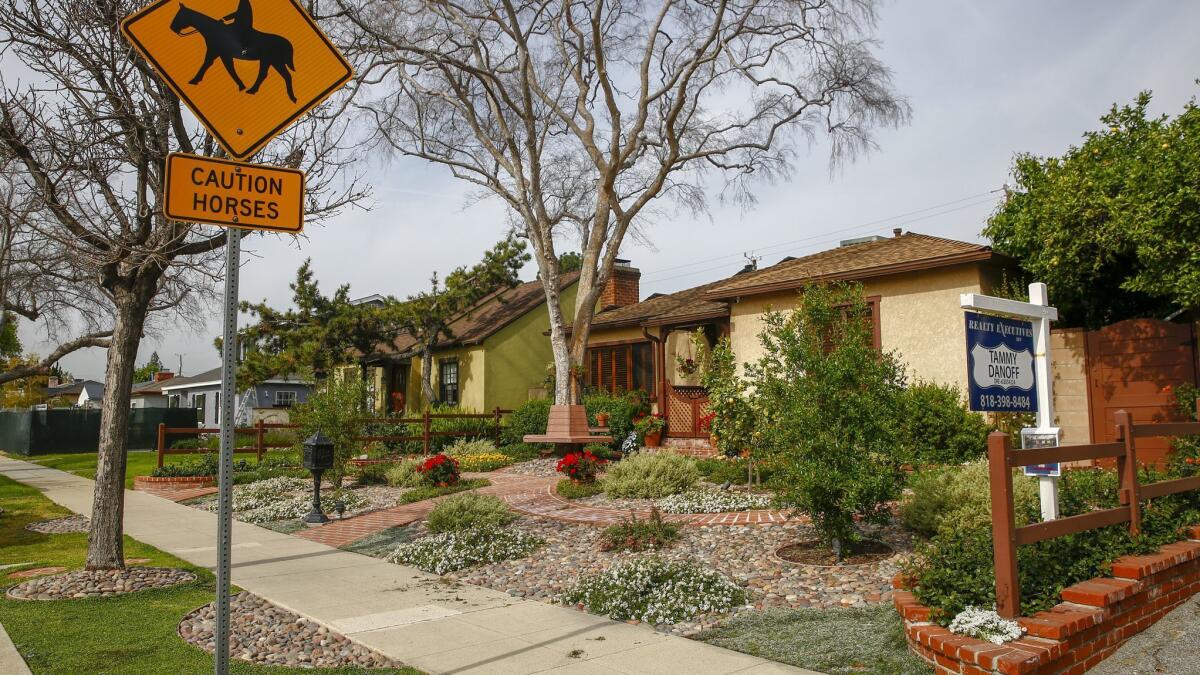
(580, 466)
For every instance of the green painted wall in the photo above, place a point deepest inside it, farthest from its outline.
(518, 355)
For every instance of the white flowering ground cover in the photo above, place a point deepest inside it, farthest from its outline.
(655, 591)
(456, 550)
(704, 500)
(282, 498)
(985, 624)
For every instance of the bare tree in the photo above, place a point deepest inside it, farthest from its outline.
(580, 114)
(88, 136)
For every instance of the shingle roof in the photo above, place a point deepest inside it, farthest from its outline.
(906, 252)
(490, 315)
(663, 309)
(69, 388)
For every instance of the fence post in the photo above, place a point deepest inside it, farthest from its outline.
(1127, 471)
(425, 433)
(1004, 526)
(261, 438)
(162, 442)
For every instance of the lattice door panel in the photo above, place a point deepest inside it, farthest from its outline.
(685, 407)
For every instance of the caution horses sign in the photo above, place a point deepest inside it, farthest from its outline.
(246, 68)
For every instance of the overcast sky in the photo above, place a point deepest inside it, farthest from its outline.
(985, 80)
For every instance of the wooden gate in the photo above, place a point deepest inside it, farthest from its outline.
(1133, 365)
(686, 405)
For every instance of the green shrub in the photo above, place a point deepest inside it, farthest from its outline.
(336, 408)
(187, 444)
(650, 476)
(602, 451)
(569, 489)
(467, 510)
(955, 568)
(530, 417)
(472, 428)
(732, 470)
(639, 535)
(405, 474)
(521, 452)
(373, 474)
(466, 446)
(458, 549)
(655, 591)
(960, 496)
(936, 427)
(621, 411)
(426, 491)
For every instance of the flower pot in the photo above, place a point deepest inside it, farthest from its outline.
(602, 419)
(653, 439)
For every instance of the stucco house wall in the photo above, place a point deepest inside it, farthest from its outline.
(1068, 362)
(919, 318)
(519, 354)
(148, 401)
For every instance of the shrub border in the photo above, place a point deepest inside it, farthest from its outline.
(1095, 618)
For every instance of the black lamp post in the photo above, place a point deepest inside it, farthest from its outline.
(318, 457)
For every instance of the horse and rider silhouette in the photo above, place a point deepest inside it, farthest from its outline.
(237, 40)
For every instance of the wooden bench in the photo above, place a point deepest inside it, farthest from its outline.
(567, 429)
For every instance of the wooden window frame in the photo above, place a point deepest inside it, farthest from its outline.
(627, 348)
(442, 384)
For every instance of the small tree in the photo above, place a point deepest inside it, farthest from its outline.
(729, 397)
(148, 370)
(337, 408)
(829, 406)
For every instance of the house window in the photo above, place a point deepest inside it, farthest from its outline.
(618, 368)
(871, 316)
(217, 408)
(173, 401)
(448, 381)
(198, 404)
(285, 399)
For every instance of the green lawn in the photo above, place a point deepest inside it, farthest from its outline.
(132, 633)
(867, 640)
(138, 462)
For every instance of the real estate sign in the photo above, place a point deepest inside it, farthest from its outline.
(1000, 371)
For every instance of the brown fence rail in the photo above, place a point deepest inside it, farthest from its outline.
(1006, 536)
(261, 446)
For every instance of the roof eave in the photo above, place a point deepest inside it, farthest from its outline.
(870, 272)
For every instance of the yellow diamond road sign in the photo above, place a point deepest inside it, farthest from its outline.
(246, 68)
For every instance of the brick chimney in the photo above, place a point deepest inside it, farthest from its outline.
(163, 375)
(623, 287)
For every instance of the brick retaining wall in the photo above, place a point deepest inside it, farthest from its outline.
(1094, 619)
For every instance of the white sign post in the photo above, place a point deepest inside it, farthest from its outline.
(1039, 311)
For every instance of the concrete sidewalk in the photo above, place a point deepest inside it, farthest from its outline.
(402, 612)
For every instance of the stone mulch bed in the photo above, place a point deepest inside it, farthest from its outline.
(745, 554)
(535, 467)
(603, 501)
(99, 583)
(76, 523)
(266, 634)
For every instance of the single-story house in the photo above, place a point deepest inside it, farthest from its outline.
(149, 394)
(911, 282)
(91, 395)
(497, 356)
(69, 393)
(268, 401)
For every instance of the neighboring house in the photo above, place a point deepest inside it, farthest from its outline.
(268, 401)
(497, 357)
(91, 395)
(68, 393)
(150, 394)
(911, 282)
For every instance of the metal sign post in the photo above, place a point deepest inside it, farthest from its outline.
(1039, 314)
(233, 250)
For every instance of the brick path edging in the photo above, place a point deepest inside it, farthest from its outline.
(1095, 618)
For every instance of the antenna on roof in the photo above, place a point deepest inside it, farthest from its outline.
(751, 261)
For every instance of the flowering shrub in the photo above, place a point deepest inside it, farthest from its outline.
(450, 551)
(464, 447)
(985, 624)
(405, 473)
(706, 421)
(655, 591)
(713, 501)
(580, 466)
(639, 535)
(650, 424)
(440, 470)
(484, 461)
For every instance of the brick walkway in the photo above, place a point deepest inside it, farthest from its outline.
(531, 495)
(177, 493)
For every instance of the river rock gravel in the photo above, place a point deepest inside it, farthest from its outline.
(535, 467)
(264, 633)
(745, 554)
(99, 583)
(75, 523)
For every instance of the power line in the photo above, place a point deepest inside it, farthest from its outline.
(827, 233)
(808, 239)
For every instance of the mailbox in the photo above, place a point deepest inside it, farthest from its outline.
(318, 453)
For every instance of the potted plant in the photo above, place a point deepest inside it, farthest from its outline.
(650, 428)
(602, 418)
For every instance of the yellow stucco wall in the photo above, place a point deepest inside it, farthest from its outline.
(919, 318)
(471, 369)
(518, 356)
(1068, 361)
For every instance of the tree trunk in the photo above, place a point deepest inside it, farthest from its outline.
(105, 543)
(558, 344)
(427, 377)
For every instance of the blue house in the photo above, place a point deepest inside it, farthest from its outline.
(268, 401)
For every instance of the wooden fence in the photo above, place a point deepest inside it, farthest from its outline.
(1006, 536)
(258, 431)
